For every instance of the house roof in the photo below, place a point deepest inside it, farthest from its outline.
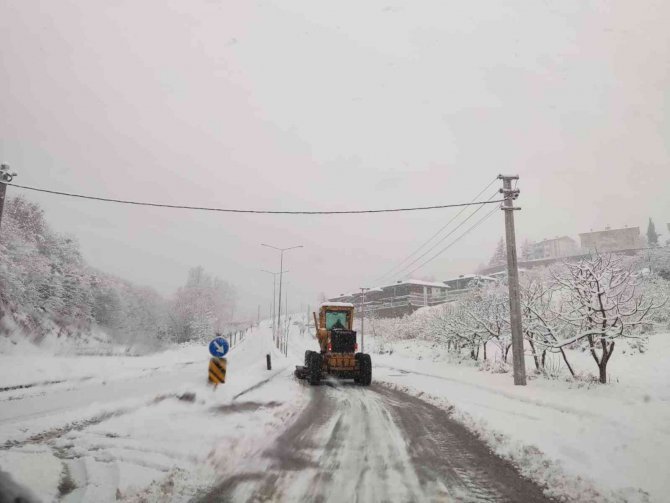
(606, 231)
(412, 282)
(471, 276)
(406, 282)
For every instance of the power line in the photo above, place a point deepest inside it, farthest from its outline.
(477, 224)
(443, 238)
(436, 233)
(264, 212)
(386, 274)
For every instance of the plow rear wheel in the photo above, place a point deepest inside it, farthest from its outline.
(357, 377)
(365, 375)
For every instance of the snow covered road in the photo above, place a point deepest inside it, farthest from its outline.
(151, 429)
(374, 444)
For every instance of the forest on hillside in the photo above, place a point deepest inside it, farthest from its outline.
(47, 288)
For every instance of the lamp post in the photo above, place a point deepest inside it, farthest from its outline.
(281, 267)
(274, 278)
(363, 290)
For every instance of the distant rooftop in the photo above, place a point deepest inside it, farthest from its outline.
(412, 282)
(608, 229)
(405, 282)
(471, 276)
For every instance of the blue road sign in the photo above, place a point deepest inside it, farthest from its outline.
(219, 347)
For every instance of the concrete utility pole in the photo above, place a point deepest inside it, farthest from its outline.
(6, 177)
(281, 268)
(363, 290)
(510, 195)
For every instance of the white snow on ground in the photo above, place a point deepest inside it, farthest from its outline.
(569, 436)
(138, 427)
(150, 429)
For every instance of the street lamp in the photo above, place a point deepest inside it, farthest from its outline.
(274, 296)
(363, 290)
(281, 268)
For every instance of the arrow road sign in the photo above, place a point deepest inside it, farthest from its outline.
(219, 347)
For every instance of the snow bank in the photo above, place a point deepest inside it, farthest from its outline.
(586, 442)
(144, 428)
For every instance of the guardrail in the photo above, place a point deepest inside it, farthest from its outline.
(236, 336)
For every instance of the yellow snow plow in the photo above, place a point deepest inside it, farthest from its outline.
(337, 341)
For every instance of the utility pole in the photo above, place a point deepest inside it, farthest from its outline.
(281, 268)
(6, 177)
(363, 290)
(510, 195)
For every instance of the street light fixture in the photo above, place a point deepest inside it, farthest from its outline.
(281, 268)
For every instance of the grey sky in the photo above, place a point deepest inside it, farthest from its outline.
(293, 105)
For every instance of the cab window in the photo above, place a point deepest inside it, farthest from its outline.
(337, 319)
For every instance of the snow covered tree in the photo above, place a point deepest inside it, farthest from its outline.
(526, 249)
(600, 304)
(46, 286)
(542, 327)
(660, 263)
(486, 312)
(203, 307)
(500, 255)
(652, 236)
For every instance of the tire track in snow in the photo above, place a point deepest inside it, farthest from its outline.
(376, 444)
(531, 401)
(54, 433)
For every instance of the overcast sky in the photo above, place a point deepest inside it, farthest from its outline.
(331, 105)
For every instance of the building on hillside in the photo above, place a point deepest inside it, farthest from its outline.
(627, 238)
(558, 247)
(398, 299)
(466, 282)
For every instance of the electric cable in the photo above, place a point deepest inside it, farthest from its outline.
(477, 224)
(388, 273)
(263, 212)
(401, 271)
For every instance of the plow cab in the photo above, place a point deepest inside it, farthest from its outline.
(338, 354)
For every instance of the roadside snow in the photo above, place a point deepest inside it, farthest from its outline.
(568, 436)
(138, 428)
